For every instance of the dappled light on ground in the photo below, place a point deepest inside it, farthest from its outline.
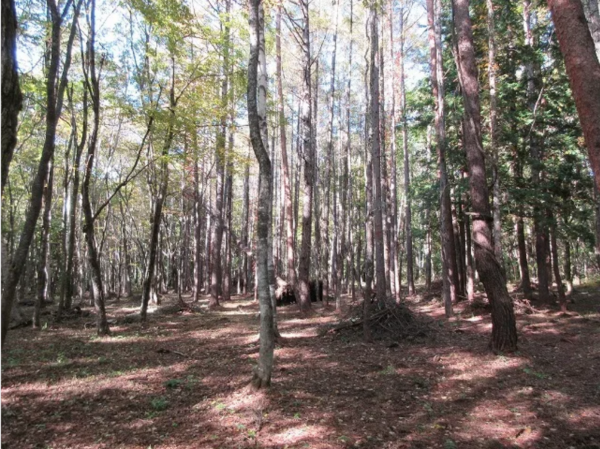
(182, 381)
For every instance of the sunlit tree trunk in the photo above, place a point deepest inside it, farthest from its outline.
(257, 90)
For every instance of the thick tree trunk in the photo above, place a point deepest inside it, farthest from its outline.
(55, 89)
(262, 373)
(504, 331)
(12, 98)
(583, 68)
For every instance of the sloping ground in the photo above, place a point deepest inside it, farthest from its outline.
(182, 382)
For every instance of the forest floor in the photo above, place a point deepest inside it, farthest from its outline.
(182, 382)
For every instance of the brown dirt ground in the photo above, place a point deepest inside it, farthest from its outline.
(182, 382)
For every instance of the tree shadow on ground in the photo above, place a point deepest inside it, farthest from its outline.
(182, 382)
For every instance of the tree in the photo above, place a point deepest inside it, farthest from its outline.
(504, 331)
(56, 84)
(257, 93)
(583, 68)
(306, 154)
(449, 269)
(12, 98)
(375, 146)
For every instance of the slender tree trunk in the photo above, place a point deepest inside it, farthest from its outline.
(410, 280)
(449, 271)
(562, 300)
(306, 154)
(217, 231)
(257, 95)
(567, 267)
(494, 150)
(148, 287)
(287, 189)
(375, 143)
(345, 187)
(246, 265)
(523, 266)
(55, 89)
(504, 331)
(330, 259)
(44, 268)
(532, 72)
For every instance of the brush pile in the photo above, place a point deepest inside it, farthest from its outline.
(387, 320)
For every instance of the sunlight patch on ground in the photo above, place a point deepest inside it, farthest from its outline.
(296, 434)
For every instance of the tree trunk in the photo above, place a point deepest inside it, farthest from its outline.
(449, 270)
(306, 153)
(532, 72)
(592, 13)
(375, 143)
(148, 288)
(494, 150)
(504, 331)
(583, 68)
(44, 268)
(410, 280)
(562, 300)
(55, 89)
(12, 98)
(262, 373)
(287, 189)
(93, 86)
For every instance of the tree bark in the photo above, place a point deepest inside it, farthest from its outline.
(306, 153)
(92, 80)
(583, 69)
(12, 98)
(287, 189)
(375, 144)
(532, 72)
(55, 88)
(504, 331)
(449, 268)
(410, 279)
(562, 300)
(43, 272)
(592, 13)
(494, 150)
(257, 93)
(148, 285)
